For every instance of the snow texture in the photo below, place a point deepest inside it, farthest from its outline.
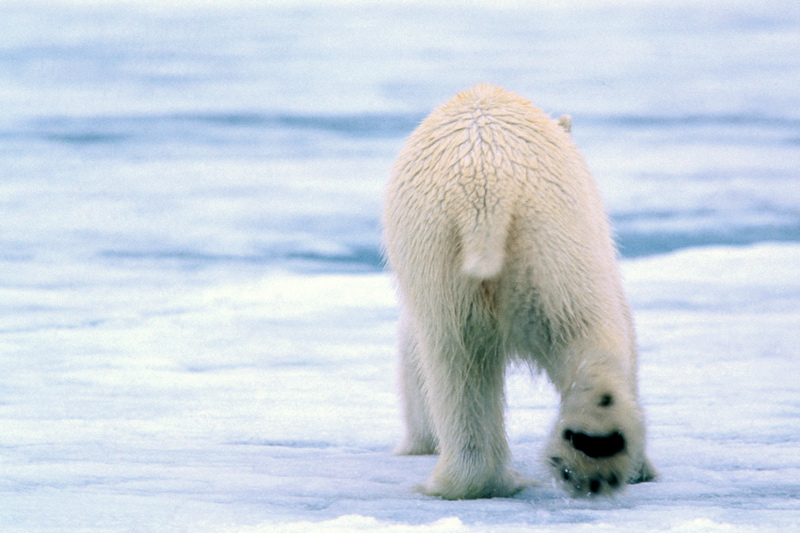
(196, 331)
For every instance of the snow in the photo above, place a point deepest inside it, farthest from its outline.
(197, 333)
(269, 404)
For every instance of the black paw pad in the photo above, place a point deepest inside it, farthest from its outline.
(594, 446)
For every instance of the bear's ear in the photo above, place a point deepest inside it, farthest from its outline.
(565, 121)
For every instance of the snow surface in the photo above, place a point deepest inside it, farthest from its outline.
(270, 404)
(196, 331)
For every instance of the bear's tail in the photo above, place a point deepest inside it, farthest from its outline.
(483, 245)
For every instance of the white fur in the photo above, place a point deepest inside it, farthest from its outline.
(501, 248)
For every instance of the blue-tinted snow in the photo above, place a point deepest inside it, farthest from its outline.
(195, 329)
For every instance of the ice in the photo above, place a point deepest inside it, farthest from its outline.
(270, 403)
(196, 329)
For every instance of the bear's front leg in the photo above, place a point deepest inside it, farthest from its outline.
(420, 438)
(465, 393)
(597, 444)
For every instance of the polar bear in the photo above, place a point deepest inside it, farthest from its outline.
(502, 252)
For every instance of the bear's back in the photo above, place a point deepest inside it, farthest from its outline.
(483, 143)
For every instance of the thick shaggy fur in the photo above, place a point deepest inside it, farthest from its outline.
(502, 250)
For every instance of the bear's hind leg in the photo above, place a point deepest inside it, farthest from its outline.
(466, 382)
(597, 445)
